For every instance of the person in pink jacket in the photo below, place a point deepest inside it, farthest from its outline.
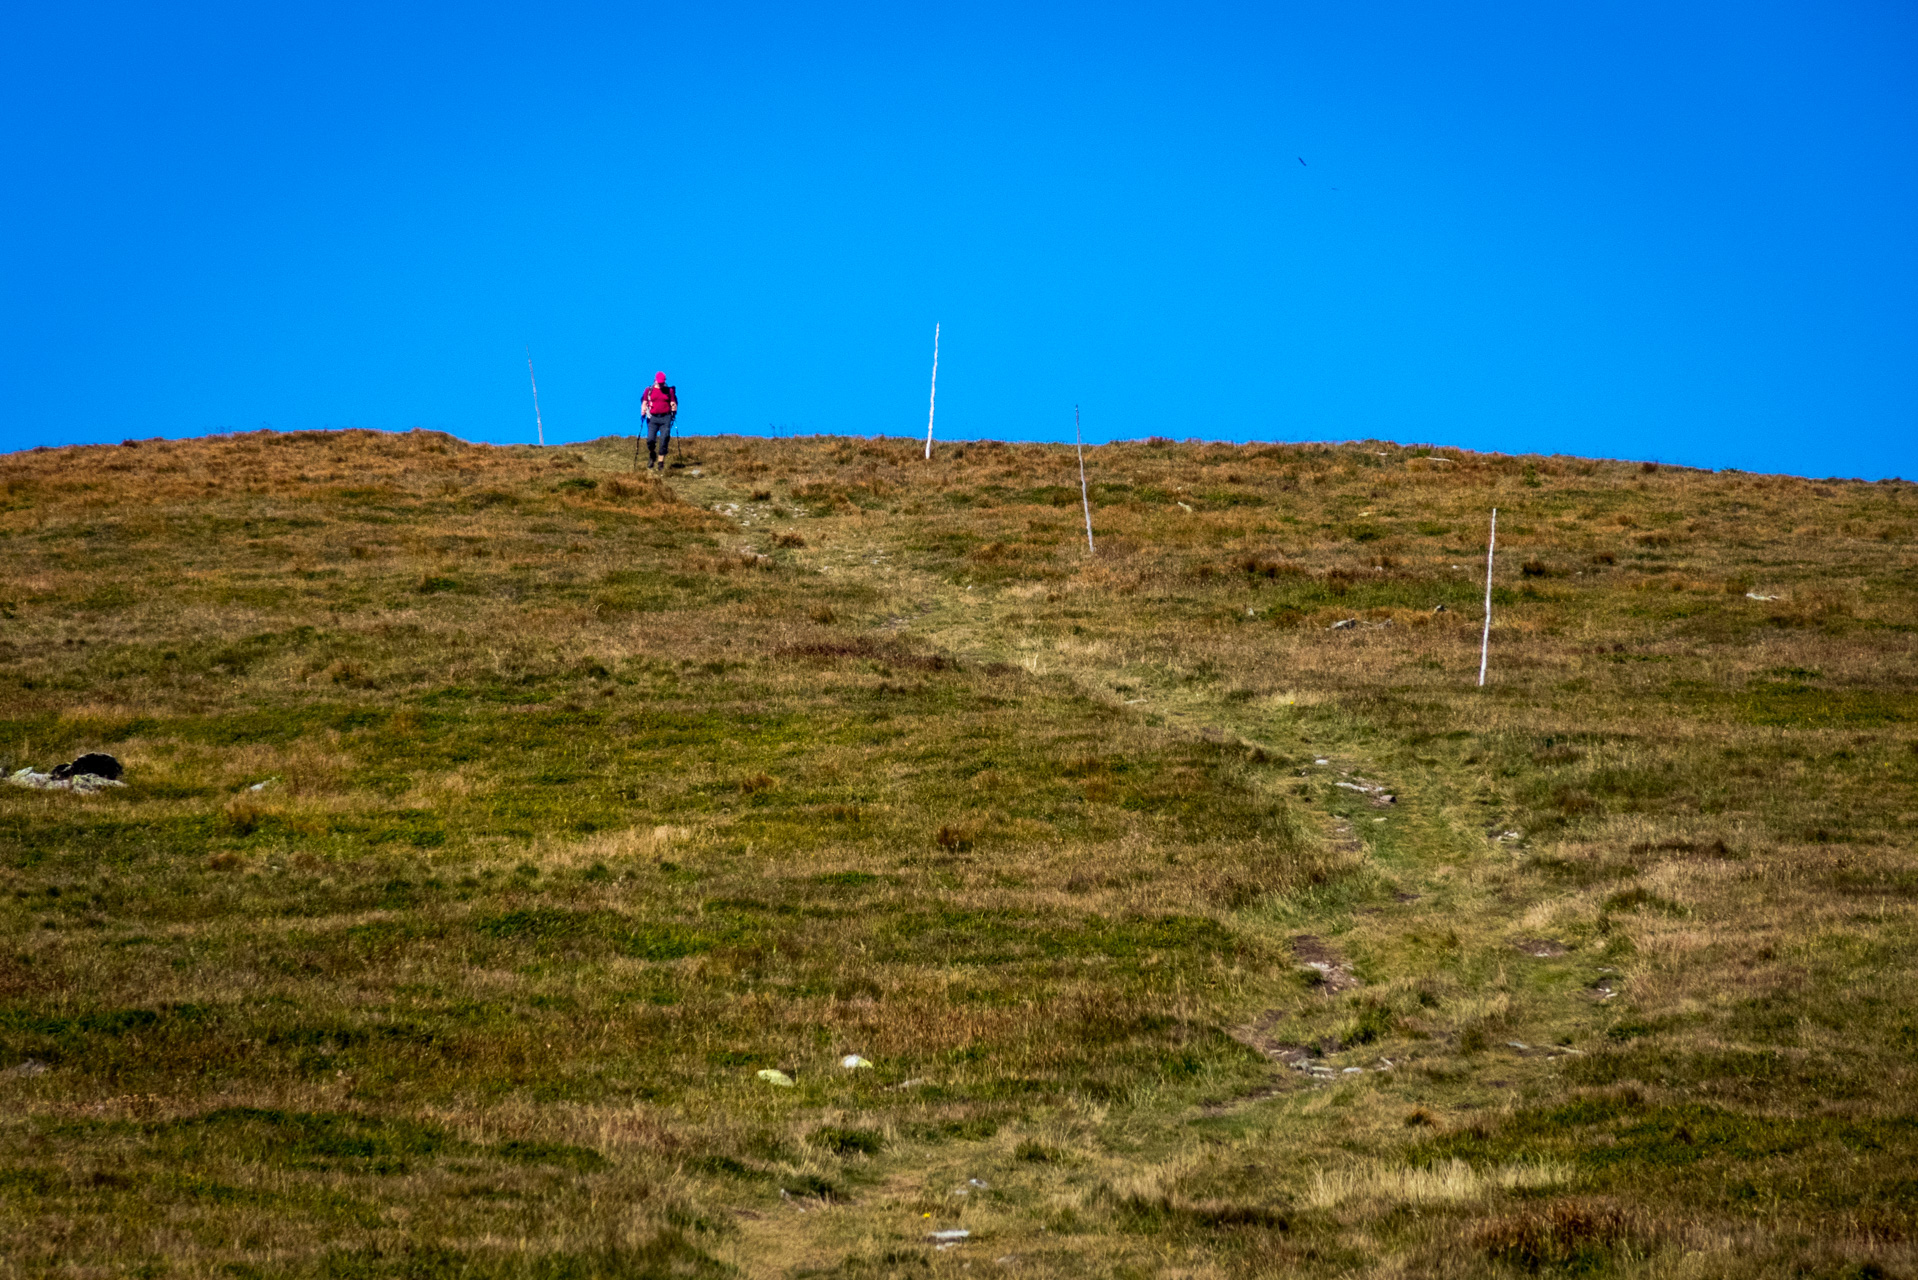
(660, 405)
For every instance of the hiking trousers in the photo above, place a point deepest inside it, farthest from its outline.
(659, 435)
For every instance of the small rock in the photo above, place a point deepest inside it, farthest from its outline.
(779, 1078)
(1353, 1071)
(1543, 948)
(853, 1062)
(1441, 609)
(952, 1235)
(84, 783)
(1514, 1044)
(1346, 625)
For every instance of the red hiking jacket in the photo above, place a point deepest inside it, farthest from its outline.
(659, 401)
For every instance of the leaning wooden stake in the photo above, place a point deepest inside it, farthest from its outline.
(1485, 645)
(932, 402)
(1087, 501)
(537, 424)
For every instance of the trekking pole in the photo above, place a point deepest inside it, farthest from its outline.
(1083, 498)
(932, 402)
(537, 424)
(1485, 645)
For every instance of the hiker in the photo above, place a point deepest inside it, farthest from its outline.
(660, 405)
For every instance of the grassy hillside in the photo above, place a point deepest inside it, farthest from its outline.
(495, 816)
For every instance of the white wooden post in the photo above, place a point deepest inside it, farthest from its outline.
(537, 424)
(1485, 645)
(933, 402)
(1083, 498)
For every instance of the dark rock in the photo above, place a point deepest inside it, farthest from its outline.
(94, 763)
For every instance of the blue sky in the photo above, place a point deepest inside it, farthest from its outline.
(1686, 232)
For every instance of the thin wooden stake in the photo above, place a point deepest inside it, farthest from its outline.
(1083, 498)
(1485, 645)
(932, 402)
(537, 424)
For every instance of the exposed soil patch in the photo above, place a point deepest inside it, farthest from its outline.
(1301, 1058)
(1259, 1037)
(1374, 792)
(1543, 948)
(1335, 975)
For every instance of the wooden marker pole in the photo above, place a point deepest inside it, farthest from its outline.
(933, 402)
(537, 424)
(1083, 498)
(1485, 645)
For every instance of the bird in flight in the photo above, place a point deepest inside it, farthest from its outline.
(1302, 161)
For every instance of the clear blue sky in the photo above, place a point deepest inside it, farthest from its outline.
(1647, 230)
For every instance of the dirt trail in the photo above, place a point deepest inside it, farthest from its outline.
(1354, 802)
